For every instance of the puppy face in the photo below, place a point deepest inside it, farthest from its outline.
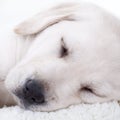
(67, 62)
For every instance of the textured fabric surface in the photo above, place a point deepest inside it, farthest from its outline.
(104, 111)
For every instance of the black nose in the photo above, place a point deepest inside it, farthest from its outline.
(33, 92)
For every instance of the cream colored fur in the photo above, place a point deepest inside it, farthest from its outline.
(92, 38)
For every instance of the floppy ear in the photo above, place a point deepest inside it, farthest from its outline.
(47, 18)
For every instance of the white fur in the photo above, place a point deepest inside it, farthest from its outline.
(92, 38)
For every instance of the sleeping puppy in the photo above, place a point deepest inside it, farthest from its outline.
(66, 55)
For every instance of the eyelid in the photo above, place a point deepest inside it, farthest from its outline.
(64, 49)
(90, 89)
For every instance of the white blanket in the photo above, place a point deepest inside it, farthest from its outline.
(104, 111)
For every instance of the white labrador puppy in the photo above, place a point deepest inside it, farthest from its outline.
(69, 54)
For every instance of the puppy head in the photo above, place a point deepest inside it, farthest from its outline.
(62, 66)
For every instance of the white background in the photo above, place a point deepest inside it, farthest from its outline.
(14, 11)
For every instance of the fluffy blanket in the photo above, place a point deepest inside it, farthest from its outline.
(104, 111)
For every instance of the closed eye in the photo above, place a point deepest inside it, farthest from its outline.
(87, 89)
(90, 90)
(64, 49)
